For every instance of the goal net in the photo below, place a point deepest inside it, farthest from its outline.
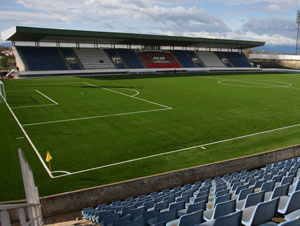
(2, 93)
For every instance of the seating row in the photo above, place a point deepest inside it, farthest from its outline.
(50, 58)
(247, 198)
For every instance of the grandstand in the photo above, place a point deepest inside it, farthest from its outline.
(69, 51)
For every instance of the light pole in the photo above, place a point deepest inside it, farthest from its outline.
(298, 31)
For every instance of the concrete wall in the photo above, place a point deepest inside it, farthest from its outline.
(263, 56)
(77, 200)
(63, 206)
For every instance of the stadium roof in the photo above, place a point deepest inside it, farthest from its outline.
(91, 37)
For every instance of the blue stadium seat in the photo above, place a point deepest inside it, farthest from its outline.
(237, 59)
(261, 213)
(183, 58)
(42, 58)
(130, 58)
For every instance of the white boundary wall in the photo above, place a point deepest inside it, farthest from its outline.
(32, 206)
(264, 56)
(2, 92)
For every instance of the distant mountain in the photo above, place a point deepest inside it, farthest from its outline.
(277, 48)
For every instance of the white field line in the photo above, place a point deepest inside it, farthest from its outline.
(290, 85)
(39, 105)
(181, 150)
(46, 84)
(33, 106)
(264, 85)
(294, 76)
(94, 117)
(148, 101)
(136, 92)
(46, 97)
(105, 116)
(17, 91)
(29, 140)
(61, 171)
(55, 103)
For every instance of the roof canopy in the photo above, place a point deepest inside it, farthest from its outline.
(91, 37)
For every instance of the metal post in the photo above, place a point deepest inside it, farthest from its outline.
(298, 31)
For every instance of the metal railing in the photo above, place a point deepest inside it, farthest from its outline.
(25, 214)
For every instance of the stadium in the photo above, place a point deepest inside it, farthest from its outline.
(138, 129)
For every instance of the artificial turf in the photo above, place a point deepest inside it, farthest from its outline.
(94, 124)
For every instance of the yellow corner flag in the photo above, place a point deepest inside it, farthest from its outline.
(48, 159)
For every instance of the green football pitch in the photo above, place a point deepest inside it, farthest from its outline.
(101, 130)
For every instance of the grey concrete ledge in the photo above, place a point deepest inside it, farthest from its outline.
(74, 201)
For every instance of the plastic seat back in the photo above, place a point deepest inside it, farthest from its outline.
(150, 214)
(224, 208)
(161, 205)
(297, 188)
(222, 198)
(268, 177)
(292, 173)
(167, 216)
(232, 219)
(258, 183)
(277, 179)
(121, 221)
(149, 204)
(170, 198)
(254, 198)
(135, 213)
(244, 192)
(188, 193)
(280, 191)
(252, 181)
(109, 219)
(267, 186)
(196, 206)
(205, 188)
(200, 199)
(221, 188)
(177, 205)
(191, 218)
(265, 211)
(221, 193)
(100, 215)
(202, 193)
(294, 202)
(183, 198)
(239, 188)
(235, 185)
(139, 222)
(287, 180)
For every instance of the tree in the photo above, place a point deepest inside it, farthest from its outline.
(4, 62)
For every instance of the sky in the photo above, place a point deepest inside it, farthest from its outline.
(271, 21)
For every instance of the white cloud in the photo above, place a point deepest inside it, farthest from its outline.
(131, 13)
(156, 16)
(275, 39)
(271, 6)
(271, 26)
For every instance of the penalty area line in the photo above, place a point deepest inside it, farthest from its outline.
(134, 96)
(202, 146)
(44, 95)
(94, 117)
